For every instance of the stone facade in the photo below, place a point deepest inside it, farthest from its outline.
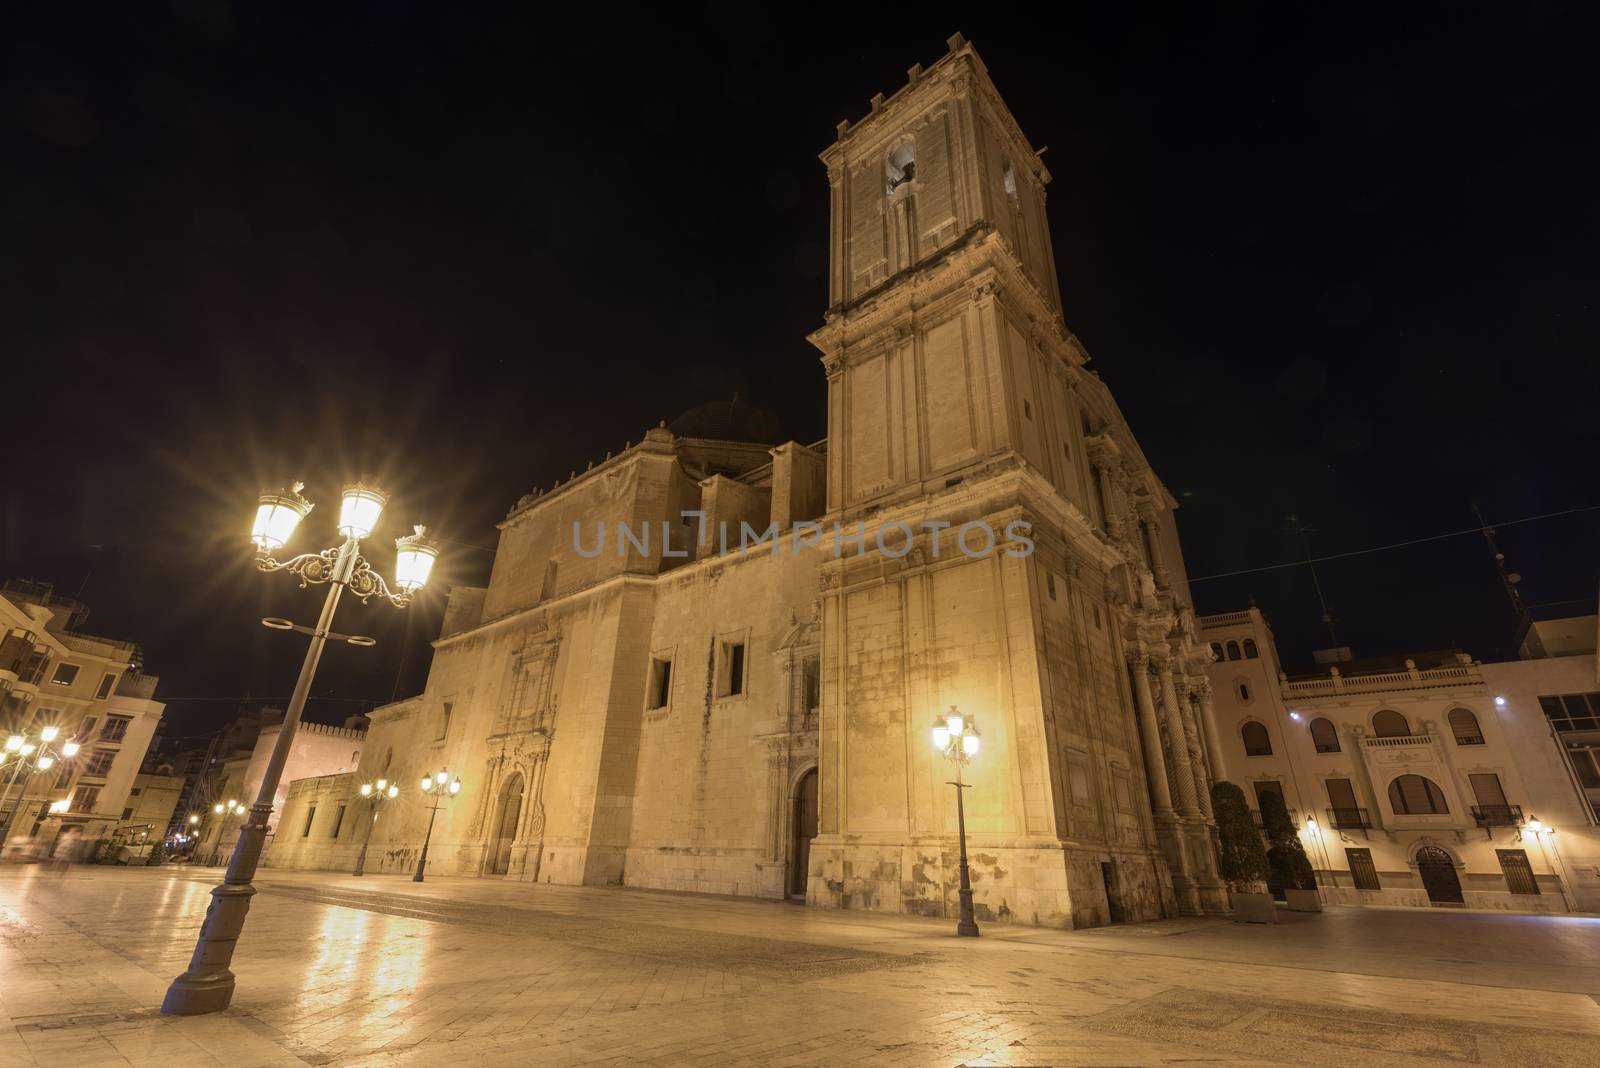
(979, 529)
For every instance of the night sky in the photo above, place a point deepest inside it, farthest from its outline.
(1339, 264)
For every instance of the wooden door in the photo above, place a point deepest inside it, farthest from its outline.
(805, 829)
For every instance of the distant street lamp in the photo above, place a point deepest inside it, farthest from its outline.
(208, 985)
(226, 812)
(956, 737)
(376, 792)
(26, 755)
(442, 788)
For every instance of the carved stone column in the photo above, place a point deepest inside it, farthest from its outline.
(1208, 723)
(1150, 735)
(1178, 749)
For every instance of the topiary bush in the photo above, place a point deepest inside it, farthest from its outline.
(1289, 867)
(1242, 860)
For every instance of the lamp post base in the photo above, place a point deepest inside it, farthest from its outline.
(208, 984)
(967, 925)
(196, 995)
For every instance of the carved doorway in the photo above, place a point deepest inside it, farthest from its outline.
(507, 815)
(805, 829)
(1439, 877)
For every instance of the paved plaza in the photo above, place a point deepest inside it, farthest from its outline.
(380, 971)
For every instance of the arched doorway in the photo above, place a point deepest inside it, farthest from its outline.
(805, 829)
(508, 814)
(1439, 877)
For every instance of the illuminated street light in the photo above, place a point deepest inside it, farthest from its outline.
(436, 786)
(956, 738)
(207, 985)
(377, 792)
(25, 757)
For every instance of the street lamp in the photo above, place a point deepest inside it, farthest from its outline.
(1544, 835)
(376, 792)
(441, 787)
(207, 985)
(226, 812)
(26, 756)
(956, 737)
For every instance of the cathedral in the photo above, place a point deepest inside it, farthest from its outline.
(640, 698)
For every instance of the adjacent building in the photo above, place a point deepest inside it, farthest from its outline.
(94, 690)
(1428, 778)
(639, 697)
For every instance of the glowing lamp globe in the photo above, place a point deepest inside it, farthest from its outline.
(49, 734)
(455, 786)
(70, 749)
(277, 515)
(217, 808)
(366, 789)
(414, 555)
(46, 763)
(193, 820)
(359, 508)
(393, 790)
(427, 782)
(955, 724)
(14, 743)
(969, 744)
(941, 737)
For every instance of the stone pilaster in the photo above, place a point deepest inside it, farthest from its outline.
(1208, 722)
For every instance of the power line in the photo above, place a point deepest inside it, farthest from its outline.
(1394, 545)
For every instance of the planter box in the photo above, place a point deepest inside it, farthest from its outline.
(1304, 900)
(1253, 908)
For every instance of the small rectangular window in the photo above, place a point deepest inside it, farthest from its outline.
(1050, 585)
(1027, 410)
(127, 813)
(66, 674)
(445, 712)
(106, 682)
(1518, 872)
(338, 822)
(660, 682)
(115, 728)
(730, 670)
(311, 814)
(1362, 872)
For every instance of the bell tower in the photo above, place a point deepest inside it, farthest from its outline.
(937, 208)
(957, 402)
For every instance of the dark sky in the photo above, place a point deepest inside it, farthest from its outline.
(1335, 262)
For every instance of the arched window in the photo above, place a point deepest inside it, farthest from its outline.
(1216, 651)
(1388, 723)
(1412, 795)
(1233, 650)
(1250, 649)
(1243, 690)
(1324, 736)
(1464, 725)
(900, 166)
(1256, 741)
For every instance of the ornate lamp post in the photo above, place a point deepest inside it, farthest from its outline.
(442, 788)
(24, 756)
(376, 792)
(208, 984)
(956, 737)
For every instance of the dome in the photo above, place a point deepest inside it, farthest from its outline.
(729, 420)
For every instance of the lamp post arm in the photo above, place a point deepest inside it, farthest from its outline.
(207, 986)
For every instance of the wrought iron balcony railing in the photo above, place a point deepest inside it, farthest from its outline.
(1349, 819)
(1497, 815)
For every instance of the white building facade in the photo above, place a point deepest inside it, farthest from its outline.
(1431, 780)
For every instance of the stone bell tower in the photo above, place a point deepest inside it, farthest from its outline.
(957, 407)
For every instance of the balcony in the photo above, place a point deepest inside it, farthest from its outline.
(1349, 819)
(1497, 815)
(22, 656)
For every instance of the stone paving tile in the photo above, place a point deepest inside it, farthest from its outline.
(387, 973)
